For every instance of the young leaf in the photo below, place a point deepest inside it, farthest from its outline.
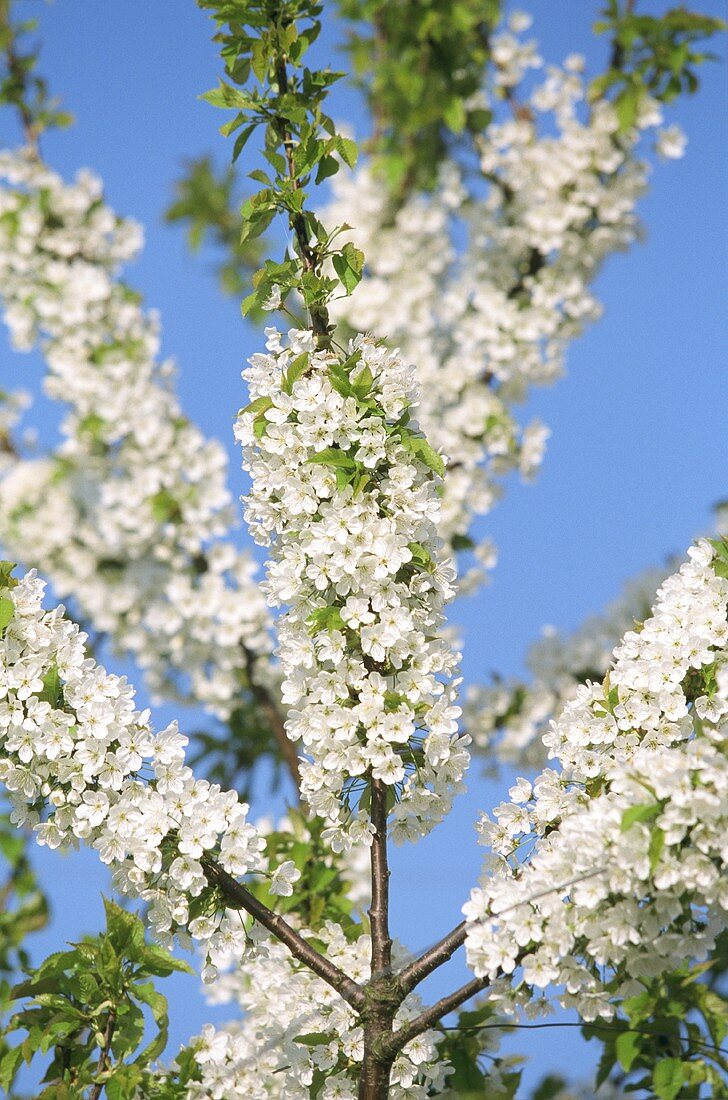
(348, 265)
(7, 610)
(627, 1047)
(667, 1078)
(645, 812)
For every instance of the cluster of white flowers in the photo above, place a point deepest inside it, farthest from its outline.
(297, 1031)
(81, 763)
(488, 319)
(129, 516)
(345, 492)
(507, 719)
(626, 876)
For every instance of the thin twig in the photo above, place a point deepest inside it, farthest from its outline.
(267, 704)
(581, 1024)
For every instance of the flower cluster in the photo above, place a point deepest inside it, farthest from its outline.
(129, 517)
(345, 492)
(81, 763)
(488, 320)
(297, 1031)
(627, 871)
(507, 720)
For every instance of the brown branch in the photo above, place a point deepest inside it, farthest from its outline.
(433, 958)
(237, 896)
(104, 1056)
(379, 909)
(434, 1013)
(267, 704)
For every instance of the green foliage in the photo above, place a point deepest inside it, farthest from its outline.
(419, 63)
(206, 202)
(322, 893)
(23, 910)
(20, 85)
(271, 89)
(233, 754)
(668, 1040)
(652, 54)
(7, 580)
(85, 1009)
(720, 563)
(463, 1044)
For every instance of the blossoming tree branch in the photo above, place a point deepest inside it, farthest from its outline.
(382, 417)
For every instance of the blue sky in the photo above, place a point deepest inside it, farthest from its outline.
(638, 452)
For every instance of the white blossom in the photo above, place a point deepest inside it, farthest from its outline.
(344, 494)
(627, 871)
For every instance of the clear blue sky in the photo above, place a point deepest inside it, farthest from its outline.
(638, 452)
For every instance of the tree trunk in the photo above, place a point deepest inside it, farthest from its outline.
(374, 1080)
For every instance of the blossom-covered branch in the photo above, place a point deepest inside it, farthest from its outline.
(634, 821)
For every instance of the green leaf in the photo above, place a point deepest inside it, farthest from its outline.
(125, 931)
(327, 166)
(297, 369)
(627, 1047)
(9, 1064)
(462, 542)
(420, 554)
(333, 456)
(418, 446)
(340, 380)
(227, 96)
(668, 1078)
(260, 405)
(158, 961)
(326, 618)
(626, 105)
(348, 265)
(313, 1039)
(165, 509)
(644, 812)
(249, 302)
(260, 59)
(51, 692)
(455, 115)
(348, 151)
(7, 580)
(242, 139)
(363, 382)
(7, 611)
(657, 843)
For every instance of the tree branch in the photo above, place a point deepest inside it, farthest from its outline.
(275, 720)
(379, 909)
(434, 1013)
(433, 958)
(240, 898)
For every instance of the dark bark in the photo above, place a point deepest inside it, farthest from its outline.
(237, 896)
